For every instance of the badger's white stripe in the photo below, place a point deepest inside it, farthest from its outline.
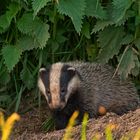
(73, 85)
(42, 88)
(55, 74)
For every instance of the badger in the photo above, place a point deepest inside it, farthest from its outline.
(85, 86)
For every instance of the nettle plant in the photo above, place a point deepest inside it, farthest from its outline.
(36, 32)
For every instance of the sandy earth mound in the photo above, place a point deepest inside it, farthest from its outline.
(29, 128)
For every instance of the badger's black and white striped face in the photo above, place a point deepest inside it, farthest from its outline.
(58, 83)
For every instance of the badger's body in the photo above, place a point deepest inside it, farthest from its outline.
(85, 87)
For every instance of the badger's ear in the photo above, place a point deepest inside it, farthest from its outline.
(71, 71)
(42, 72)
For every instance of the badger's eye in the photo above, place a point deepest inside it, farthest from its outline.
(48, 95)
(48, 91)
(63, 91)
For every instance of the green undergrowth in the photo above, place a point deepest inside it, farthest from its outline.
(35, 33)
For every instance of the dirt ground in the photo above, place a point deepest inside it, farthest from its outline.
(29, 127)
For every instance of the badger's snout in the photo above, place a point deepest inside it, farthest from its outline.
(56, 107)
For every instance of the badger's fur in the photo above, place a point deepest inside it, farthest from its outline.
(85, 87)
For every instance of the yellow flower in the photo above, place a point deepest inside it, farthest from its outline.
(137, 135)
(6, 126)
(67, 135)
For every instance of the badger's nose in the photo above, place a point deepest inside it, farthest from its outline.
(58, 108)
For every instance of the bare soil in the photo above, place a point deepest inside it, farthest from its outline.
(29, 127)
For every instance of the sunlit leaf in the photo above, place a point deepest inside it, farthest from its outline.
(74, 9)
(38, 4)
(110, 42)
(11, 55)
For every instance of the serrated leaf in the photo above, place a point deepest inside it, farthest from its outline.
(127, 39)
(4, 75)
(11, 55)
(137, 43)
(5, 100)
(27, 43)
(86, 30)
(100, 25)
(128, 14)
(119, 9)
(110, 43)
(36, 28)
(38, 4)
(74, 9)
(41, 33)
(92, 51)
(25, 23)
(5, 20)
(95, 9)
(136, 70)
(27, 77)
(127, 63)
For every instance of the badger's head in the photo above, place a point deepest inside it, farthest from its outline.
(58, 83)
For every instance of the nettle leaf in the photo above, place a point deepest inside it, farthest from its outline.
(128, 14)
(38, 4)
(41, 32)
(127, 63)
(11, 55)
(75, 9)
(35, 28)
(4, 75)
(136, 70)
(27, 43)
(127, 39)
(5, 20)
(92, 51)
(27, 77)
(137, 43)
(100, 25)
(110, 43)
(95, 9)
(25, 23)
(86, 30)
(5, 100)
(119, 9)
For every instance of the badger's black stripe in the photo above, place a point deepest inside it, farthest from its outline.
(45, 77)
(65, 77)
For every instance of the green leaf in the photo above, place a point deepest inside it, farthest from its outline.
(137, 43)
(86, 30)
(4, 75)
(25, 23)
(36, 28)
(5, 100)
(135, 71)
(127, 63)
(5, 20)
(100, 25)
(92, 51)
(95, 9)
(110, 43)
(127, 39)
(74, 9)
(41, 33)
(38, 4)
(11, 55)
(27, 77)
(27, 43)
(120, 8)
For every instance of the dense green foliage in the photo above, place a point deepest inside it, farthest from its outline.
(38, 32)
